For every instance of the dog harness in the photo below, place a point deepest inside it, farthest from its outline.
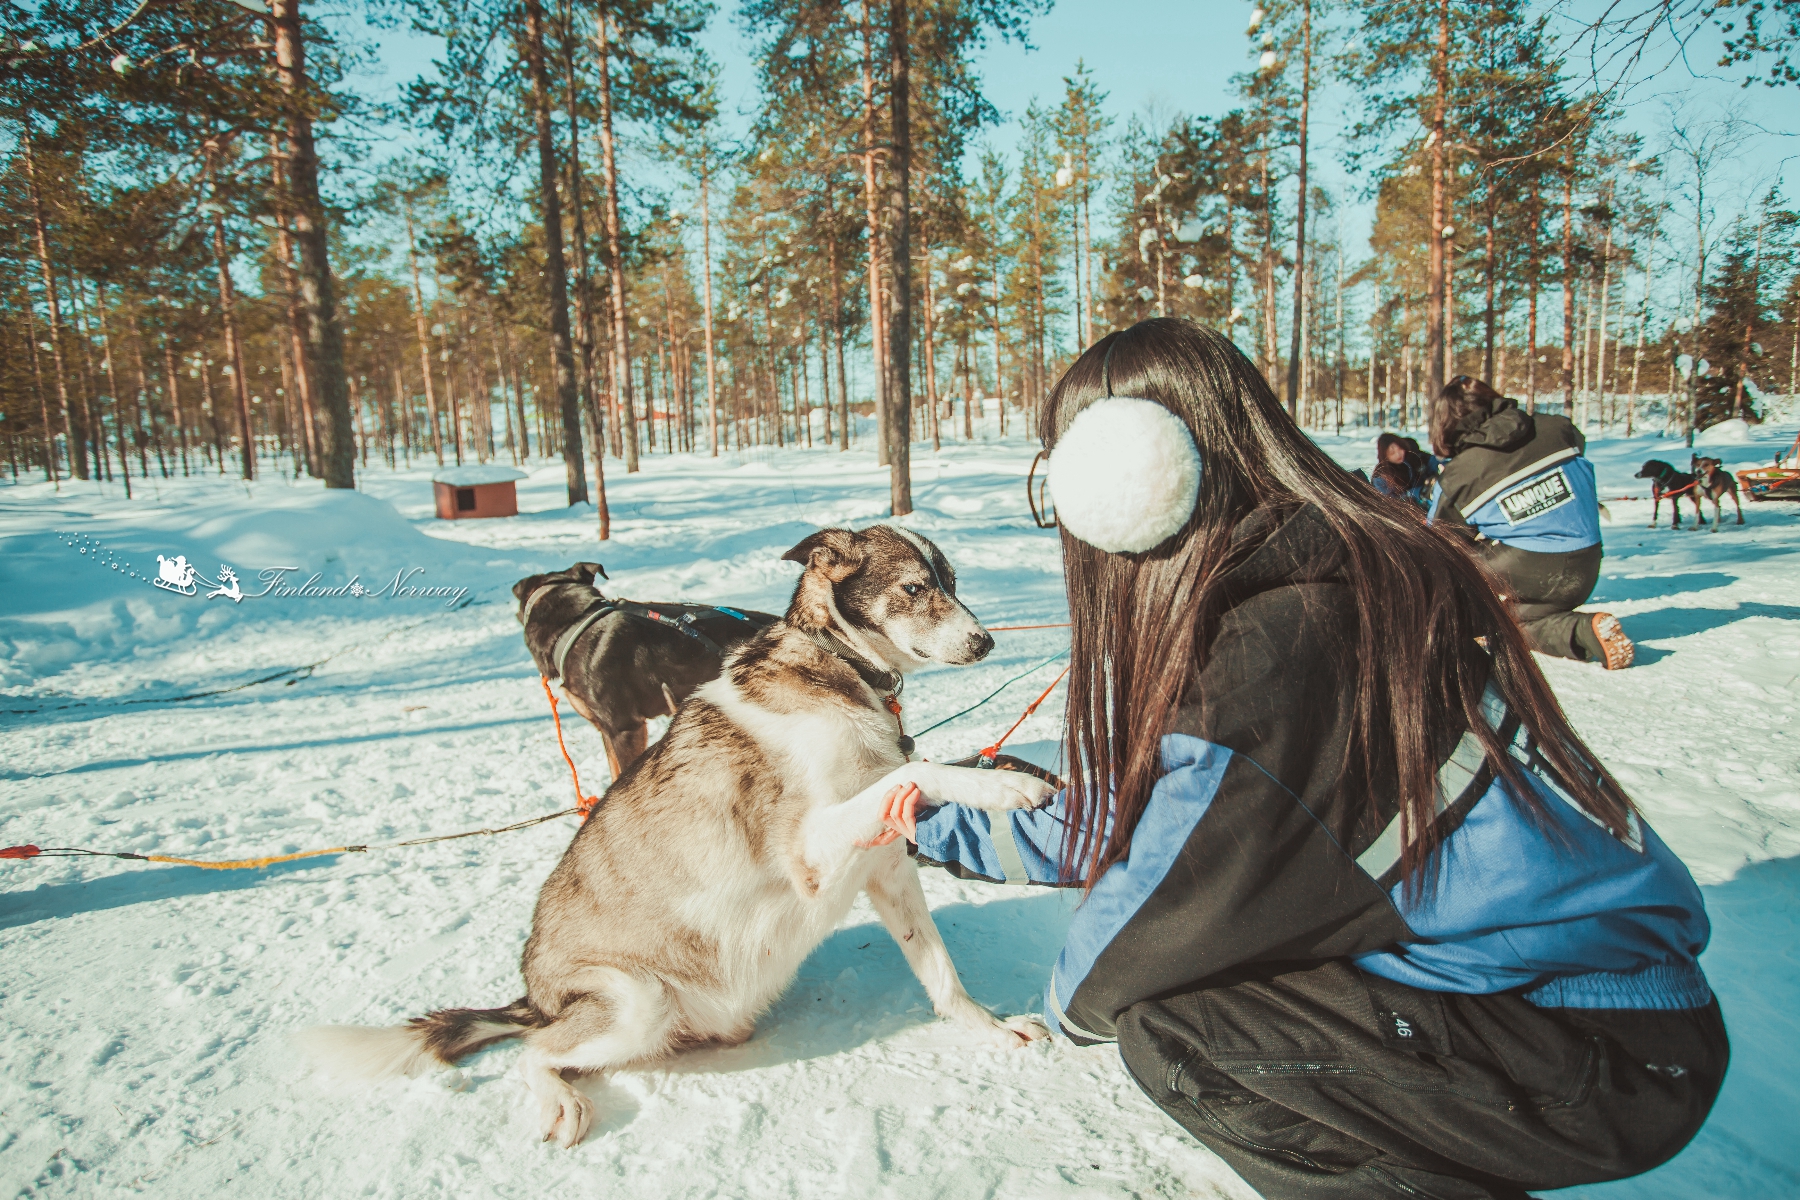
(687, 624)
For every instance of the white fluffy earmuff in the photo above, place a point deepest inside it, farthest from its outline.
(1125, 475)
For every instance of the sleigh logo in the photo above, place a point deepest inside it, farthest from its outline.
(179, 575)
(175, 575)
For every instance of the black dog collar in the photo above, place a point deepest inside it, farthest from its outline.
(886, 684)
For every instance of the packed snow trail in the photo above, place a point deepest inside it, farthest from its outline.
(146, 1009)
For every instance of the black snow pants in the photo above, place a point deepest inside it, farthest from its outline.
(1324, 1081)
(1543, 588)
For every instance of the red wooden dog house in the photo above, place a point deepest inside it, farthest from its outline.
(477, 490)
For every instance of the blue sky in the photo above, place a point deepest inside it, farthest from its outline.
(1170, 56)
(1164, 57)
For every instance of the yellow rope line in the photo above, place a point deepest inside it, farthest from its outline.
(249, 863)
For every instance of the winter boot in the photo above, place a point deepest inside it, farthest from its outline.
(1604, 641)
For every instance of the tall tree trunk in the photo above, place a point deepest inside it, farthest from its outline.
(1231, 311)
(1532, 275)
(999, 379)
(302, 392)
(110, 369)
(1081, 321)
(442, 332)
(318, 294)
(615, 254)
(712, 367)
(1338, 297)
(419, 324)
(588, 396)
(1599, 376)
(51, 473)
(519, 400)
(900, 262)
(1637, 354)
(1266, 285)
(930, 352)
(1293, 381)
(174, 386)
(1437, 283)
(294, 430)
(1568, 254)
(74, 430)
(1699, 295)
(556, 270)
(234, 351)
(504, 376)
(402, 407)
(837, 343)
(877, 310)
(142, 400)
(93, 417)
(1041, 318)
(1738, 407)
(1489, 266)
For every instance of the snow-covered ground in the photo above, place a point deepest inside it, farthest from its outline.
(144, 1009)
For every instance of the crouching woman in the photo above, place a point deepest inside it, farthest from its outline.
(1518, 482)
(1362, 912)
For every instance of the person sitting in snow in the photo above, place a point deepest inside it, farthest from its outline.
(1362, 912)
(1401, 468)
(1519, 483)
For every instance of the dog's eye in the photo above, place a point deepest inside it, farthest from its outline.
(911, 589)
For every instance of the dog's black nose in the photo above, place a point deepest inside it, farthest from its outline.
(981, 643)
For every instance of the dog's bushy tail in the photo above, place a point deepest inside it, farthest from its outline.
(434, 1040)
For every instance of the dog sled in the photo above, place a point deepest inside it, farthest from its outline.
(1770, 483)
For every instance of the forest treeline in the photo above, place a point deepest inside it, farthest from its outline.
(213, 256)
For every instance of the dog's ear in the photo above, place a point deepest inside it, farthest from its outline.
(585, 571)
(829, 556)
(833, 553)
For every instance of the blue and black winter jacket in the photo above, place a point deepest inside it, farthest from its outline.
(1255, 848)
(1519, 479)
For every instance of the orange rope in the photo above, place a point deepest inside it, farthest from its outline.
(251, 863)
(583, 804)
(994, 749)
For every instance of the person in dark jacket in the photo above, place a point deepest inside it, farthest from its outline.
(1519, 482)
(1362, 912)
(1402, 468)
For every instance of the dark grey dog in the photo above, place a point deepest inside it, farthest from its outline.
(622, 663)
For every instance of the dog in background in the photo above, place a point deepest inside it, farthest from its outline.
(1713, 482)
(688, 900)
(1665, 480)
(620, 663)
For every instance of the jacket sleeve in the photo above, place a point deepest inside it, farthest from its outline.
(1015, 847)
(1246, 850)
(1443, 509)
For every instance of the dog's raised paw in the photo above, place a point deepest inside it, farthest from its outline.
(1020, 790)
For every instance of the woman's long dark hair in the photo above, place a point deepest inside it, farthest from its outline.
(1142, 624)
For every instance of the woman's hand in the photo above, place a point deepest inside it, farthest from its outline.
(899, 813)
